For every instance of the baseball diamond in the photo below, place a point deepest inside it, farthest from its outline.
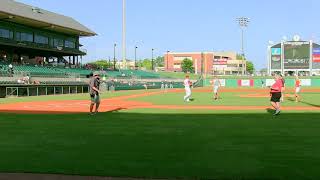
(115, 90)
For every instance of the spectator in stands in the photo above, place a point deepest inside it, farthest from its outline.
(35, 82)
(10, 70)
(26, 79)
(20, 81)
(94, 92)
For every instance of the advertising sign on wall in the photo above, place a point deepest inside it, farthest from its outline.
(245, 82)
(276, 57)
(305, 82)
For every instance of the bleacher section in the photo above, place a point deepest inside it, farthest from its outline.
(81, 72)
(38, 71)
(140, 74)
(49, 71)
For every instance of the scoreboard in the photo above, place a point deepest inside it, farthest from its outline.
(296, 55)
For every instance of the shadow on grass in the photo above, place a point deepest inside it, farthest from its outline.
(303, 102)
(270, 110)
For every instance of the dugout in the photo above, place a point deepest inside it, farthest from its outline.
(41, 90)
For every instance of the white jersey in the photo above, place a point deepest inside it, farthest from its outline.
(216, 83)
(186, 84)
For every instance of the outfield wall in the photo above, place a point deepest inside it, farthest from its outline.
(234, 83)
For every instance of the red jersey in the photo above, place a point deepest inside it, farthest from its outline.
(298, 83)
(276, 87)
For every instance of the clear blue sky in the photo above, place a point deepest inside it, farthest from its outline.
(188, 25)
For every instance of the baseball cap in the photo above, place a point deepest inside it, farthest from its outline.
(96, 74)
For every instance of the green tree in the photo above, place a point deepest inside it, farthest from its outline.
(187, 65)
(250, 67)
(100, 64)
(146, 63)
(159, 61)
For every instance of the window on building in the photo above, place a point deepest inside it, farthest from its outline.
(70, 43)
(57, 42)
(40, 39)
(24, 36)
(232, 65)
(5, 33)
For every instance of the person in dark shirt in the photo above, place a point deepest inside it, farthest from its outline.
(94, 92)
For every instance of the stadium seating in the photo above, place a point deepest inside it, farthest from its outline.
(140, 74)
(49, 71)
(81, 72)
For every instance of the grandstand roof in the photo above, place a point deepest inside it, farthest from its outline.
(13, 11)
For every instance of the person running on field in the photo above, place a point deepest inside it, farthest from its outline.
(283, 87)
(275, 92)
(216, 85)
(94, 93)
(297, 88)
(187, 87)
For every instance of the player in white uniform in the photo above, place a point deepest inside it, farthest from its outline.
(187, 87)
(216, 84)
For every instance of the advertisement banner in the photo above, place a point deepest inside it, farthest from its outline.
(245, 83)
(220, 62)
(276, 51)
(315, 56)
(270, 82)
(305, 82)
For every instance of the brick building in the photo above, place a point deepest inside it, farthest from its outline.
(218, 63)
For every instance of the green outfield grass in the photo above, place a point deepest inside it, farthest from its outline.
(153, 143)
(227, 99)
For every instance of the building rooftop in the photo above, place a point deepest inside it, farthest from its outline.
(13, 11)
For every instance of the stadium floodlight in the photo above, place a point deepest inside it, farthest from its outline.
(243, 23)
(124, 58)
(114, 56)
(152, 61)
(135, 57)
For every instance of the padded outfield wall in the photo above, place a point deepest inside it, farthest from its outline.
(257, 82)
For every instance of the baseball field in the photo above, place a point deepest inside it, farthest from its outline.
(155, 134)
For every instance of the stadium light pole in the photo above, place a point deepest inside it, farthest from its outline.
(152, 65)
(114, 56)
(135, 57)
(124, 58)
(243, 23)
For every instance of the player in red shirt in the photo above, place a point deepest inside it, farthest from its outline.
(276, 94)
(297, 88)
